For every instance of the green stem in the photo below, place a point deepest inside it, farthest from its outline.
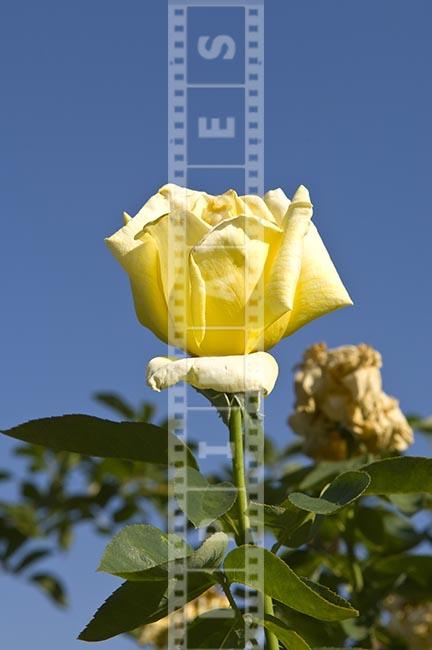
(236, 436)
(355, 572)
(227, 591)
(272, 641)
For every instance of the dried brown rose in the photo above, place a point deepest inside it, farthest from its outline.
(340, 406)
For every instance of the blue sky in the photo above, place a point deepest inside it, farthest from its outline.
(348, 113)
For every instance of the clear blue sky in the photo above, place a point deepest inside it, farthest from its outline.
(348, 113)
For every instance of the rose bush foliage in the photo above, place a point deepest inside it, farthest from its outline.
(340, 543)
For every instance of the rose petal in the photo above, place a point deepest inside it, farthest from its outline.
(232, 374)
(226, 269)
(123, 241)
(282, 284)
(278, 203)
(191, 230)
(256, 206)
(320, 289)
(143, 267)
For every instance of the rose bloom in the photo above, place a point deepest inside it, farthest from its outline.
(340, 405)
(239, 254)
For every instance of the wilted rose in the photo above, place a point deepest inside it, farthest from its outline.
(239, 252)
(340, 406)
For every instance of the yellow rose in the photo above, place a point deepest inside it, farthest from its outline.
(239, 252)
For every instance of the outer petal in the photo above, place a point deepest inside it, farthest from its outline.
(320, 289)
(168, 199)
(282, 283)
(123, 241)
(278, 204)
(141, 247)
(231, 374)
(143, 267)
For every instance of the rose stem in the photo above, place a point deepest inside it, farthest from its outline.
(236, 437)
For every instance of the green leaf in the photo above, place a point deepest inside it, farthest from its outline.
(409, 576)
(418, 567)
(91, 436)
(409, 504)
(125, 512)
(138, 603)
(142, 602)
(146, 412)
(285, 517)
(311, 630)
(291, 526)
(126, 609)
(345, 489)
(218, 628)
(385, 530)
(287, 636)
(24, 518)
(207, 557)
(140, 547)
(31, 492)
(324, 471)
(328, 594)
(402, 475)
(51, 586)
(197, 583)
(293, 449)
(211, 552)
(302, 535)
(30, 558)
(203, 503)
(424, 425)
(286, 586)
